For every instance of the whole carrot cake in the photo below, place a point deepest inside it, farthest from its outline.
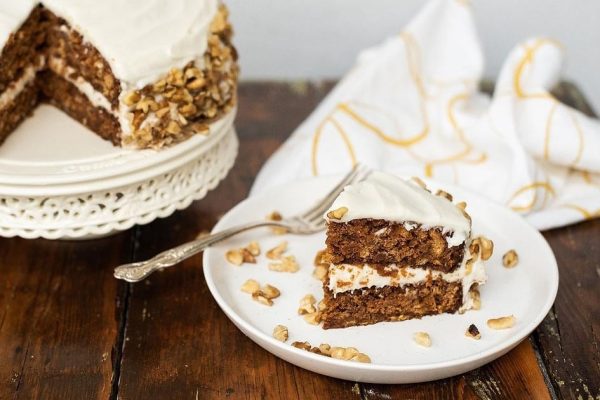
(396, 252)
(140, 73)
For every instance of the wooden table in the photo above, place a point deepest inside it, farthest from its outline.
(68, 330)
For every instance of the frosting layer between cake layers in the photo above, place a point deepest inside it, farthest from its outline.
(386, 197)
(348, 277)
(140, 39)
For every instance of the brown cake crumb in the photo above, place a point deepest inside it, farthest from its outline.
(473, 332)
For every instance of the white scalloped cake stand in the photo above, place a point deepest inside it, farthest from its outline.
(59, 180)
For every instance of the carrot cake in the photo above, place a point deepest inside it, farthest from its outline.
(396, 252)
(140, 73)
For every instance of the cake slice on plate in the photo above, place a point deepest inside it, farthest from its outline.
(396, 252)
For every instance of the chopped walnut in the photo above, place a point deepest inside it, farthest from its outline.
(280, 332)
(422, 339)
(247, 256)
(510, 259)
(473, 332)
(482, 246)
(243, 255)
(250, 286)
(276, 252)
(444, 194)
(276, 216)
(270, 292)
(287, 264)
(320, 272)
(261, 298)
(419, 182)
(337, 213)
(476, 298)
(313, 318)
(307, 305)
(235, 257)
(502, 322)
(302, 345)
(254, 248)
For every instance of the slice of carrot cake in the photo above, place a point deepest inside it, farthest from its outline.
(397, 252)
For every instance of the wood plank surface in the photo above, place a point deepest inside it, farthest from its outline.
(68, 330)
(60, 309)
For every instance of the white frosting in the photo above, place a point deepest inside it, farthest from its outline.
(17, 87)
(12, 14)
(140, 39)
(348, 277)
(384, 196)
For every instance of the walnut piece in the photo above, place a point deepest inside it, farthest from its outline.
(337, 213)
(320, 272)
(254, 248)
(276, 216)
(422, 339)
(307, 305)
(473, 332)
(234, 257)
(270, 292)
(476, 297)
(250, 286)
(419, 182)
(313, 318)
(444, 194)
(287, 264)
(502, 322)
(280, 332)
(276, 252)
(510, 259)
(482, 246)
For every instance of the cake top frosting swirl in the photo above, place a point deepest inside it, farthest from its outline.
(387, 197)
(141, 39)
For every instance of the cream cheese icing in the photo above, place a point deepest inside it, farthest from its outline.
(348, 277)
(140, 39)
(385, 196)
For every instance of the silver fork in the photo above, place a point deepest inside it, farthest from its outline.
(308, 222)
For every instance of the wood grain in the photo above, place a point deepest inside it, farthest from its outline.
(59, 312)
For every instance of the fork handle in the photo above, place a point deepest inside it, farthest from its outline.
(136, 272)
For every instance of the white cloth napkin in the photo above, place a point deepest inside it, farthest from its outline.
(411, 106)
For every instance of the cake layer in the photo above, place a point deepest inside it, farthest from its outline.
(377, 241)
(14, 111)
(383, 196)
(23, 48)
(390, 303)
(67, 97)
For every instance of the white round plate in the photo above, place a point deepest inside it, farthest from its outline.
(526, 291)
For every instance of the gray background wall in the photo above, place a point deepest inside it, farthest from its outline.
(317, 39)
